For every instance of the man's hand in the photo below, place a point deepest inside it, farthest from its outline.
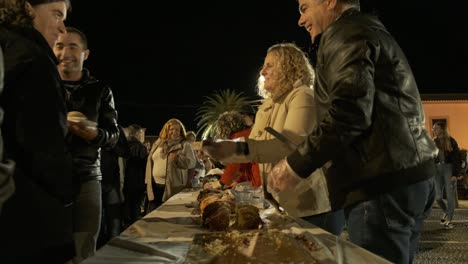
(282, 178)
(83, 131)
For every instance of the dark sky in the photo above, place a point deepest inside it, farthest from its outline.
(162, 58)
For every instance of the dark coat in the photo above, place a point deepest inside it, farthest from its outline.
(7, 185)
(371, 120)
(110, 161)
(39, 213)
(95, 100)
(135, 167)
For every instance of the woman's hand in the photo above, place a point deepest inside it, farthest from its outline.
(172, 156)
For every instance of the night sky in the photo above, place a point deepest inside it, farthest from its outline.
(161, 58)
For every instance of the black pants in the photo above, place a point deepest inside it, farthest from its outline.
(158, 191)
(132, 205)
(111, 224)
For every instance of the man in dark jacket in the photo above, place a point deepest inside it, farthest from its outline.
(94, 101)
(135, 168)
(372, 128)
(111, 223)
(36, 222)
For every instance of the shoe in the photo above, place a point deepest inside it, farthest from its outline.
(448, 225)
(443, 220)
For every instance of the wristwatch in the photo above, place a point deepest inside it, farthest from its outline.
(242, 148)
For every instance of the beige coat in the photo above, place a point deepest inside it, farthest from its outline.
(294, 116)
(176, 172)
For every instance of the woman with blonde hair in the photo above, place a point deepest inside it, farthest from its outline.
(285, 83)
(169, 160)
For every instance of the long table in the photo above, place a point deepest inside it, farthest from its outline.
(166, 235)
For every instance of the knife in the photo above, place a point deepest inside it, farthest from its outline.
(281, 137)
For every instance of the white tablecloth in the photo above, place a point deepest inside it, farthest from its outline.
(165, 236)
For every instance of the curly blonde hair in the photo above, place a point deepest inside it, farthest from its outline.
(165, 130)
(293, 66)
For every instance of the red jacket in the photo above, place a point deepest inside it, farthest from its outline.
(245, 171)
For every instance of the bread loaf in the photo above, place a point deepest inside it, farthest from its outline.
(217, 216)
(247, 217)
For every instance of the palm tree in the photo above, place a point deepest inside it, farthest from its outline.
(218, 103)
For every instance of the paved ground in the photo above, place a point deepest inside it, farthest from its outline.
(441, 246)
(445, 246)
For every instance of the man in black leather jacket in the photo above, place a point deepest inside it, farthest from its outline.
(94, 99)
(372, 128)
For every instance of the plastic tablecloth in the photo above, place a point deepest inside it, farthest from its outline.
(166, 235)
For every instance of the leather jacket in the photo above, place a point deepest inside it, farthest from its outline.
(371, 120)
(95, 100)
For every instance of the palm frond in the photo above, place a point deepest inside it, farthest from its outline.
(216, 104)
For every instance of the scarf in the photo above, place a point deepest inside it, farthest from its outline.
(168, 144)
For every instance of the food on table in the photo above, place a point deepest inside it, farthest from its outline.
(208, 192)
(247, 217)
(212, 185)
(217, 215)
(258, 246)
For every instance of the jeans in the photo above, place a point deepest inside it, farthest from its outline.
(332, 222)
(443, 183)
(390, 224)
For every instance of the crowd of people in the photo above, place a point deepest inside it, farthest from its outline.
(339, 140)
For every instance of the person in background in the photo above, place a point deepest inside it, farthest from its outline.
(204, 164)
(205, 159)
(36, 221)
(134, 181)
(448, 169)
(199, 169)
(285, 82)
(7, 184)
(94, 99)
(371, 125)
(112, 202)
(231, 125)
(169, 160)
(249, 115)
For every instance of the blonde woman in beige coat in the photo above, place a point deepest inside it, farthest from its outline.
(169, 160)
(285, 82)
